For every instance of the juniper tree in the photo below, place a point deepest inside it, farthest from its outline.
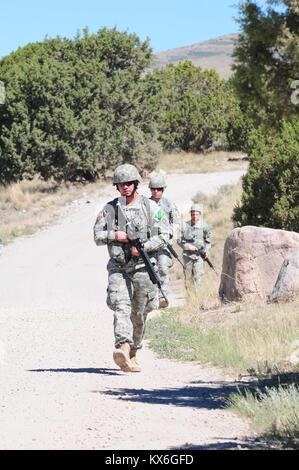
(76, 108)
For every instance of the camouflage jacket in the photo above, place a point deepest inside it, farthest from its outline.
(143, 221)
(170, 221)
(199, 235)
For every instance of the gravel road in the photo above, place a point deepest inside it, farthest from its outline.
(60, 388)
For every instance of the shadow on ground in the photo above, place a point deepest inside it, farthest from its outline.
(210, 396)
(87, 370)
(245, 444)
(204, 395)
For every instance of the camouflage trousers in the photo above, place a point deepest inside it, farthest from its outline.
(194, 270)
(131, 295)
(164, 263)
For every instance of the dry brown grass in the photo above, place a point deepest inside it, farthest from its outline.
(29, 205)
(202, 162)
(217, 213)
(259, 332)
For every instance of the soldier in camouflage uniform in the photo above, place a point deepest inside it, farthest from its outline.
(130, 294)
(169, 226)
(195, 239)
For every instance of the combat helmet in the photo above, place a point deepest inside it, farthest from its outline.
(196, 207)
(157, 181)
(125, 173)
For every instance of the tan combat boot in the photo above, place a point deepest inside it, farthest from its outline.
(121, 357)
(134, 364)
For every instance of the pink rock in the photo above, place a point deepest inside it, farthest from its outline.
(252, 260)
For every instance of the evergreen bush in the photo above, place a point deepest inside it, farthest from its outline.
(75, 109)
(271, 185)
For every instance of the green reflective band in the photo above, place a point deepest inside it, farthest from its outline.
(160, 214)
(208, 228)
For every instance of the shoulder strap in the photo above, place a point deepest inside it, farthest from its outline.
(113, 204)
(169, 209)
(146, 203)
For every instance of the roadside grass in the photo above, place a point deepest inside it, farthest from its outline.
(257, 341)
(245, 340)
(189, 162)
(28, 206)
(274, 412)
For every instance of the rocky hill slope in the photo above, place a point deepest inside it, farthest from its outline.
(212, 54)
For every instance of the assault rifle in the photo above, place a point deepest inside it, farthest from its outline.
(174, 253)
(148, 264)
(207, 260)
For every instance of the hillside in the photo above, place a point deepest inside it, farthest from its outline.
(212, 54)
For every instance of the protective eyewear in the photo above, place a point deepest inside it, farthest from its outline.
(128, 183)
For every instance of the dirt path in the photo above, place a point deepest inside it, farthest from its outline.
(59, 386)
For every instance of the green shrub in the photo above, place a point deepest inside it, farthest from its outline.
(238, 130)
(270, 187)
(76, 108)
(197, 107)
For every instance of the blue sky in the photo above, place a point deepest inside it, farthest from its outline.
(167, 23)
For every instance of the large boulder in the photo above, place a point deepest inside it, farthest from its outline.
(252, 259)
(287, 284)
